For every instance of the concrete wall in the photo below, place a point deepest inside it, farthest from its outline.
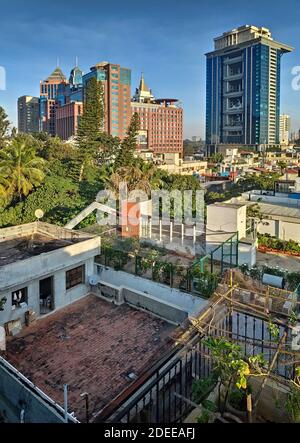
(279, 199)
(62, 296)
(247, 254)
(45, 264)
(152, 304)
(227, 218)
(17, 393)
(281, 229)
(181, 300)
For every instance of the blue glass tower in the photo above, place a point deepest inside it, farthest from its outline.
(243, 88)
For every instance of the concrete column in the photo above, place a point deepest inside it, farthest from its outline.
(182, 233)
(171, 232)
(150, 227)
(194, 235)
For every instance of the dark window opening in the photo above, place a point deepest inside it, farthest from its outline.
(75, 277)
(18, 297)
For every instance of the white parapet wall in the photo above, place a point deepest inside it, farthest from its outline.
(158, 292)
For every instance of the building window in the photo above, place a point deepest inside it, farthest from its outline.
(18, 297)
(75, 277)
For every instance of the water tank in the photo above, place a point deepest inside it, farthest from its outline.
(273, 280)
(94, 280)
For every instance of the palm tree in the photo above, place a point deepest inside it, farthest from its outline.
(142, 177)
(20, 168)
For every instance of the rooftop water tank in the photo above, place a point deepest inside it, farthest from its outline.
(273, 280)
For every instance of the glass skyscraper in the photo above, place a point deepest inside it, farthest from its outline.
(243, 88)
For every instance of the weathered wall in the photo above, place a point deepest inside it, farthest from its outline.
(62, 297)
(46, 264)
(14, 391)
(163, 309)
(182, 300)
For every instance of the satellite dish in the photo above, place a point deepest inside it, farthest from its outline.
(39, 213)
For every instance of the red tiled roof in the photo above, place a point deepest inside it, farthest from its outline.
(90, 345)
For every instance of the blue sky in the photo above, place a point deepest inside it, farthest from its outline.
(166, 39)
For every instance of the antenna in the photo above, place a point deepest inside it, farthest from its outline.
(76, 62)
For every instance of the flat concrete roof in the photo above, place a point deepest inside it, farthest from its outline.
(279, 210)
(26, 241)
(229, 205)
(91, 345)
(24, 247)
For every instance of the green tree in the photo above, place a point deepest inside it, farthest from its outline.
(126, 154)
(108, 148)
(90, 126)
(21, 168)
(218, 157)
(4, 125)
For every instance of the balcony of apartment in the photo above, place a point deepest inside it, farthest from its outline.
(233, 123)
(234, 75)
(233, 110)
(233, 92)
(230, 61)
(230, 127)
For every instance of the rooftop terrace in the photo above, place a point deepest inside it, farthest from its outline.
(25, 241)
(92, 346)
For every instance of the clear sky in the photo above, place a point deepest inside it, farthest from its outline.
(166, 39)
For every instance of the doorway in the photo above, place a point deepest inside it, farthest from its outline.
(46, 295)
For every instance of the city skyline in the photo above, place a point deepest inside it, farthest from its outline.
(173, 62)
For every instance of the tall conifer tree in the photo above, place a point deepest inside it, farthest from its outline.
(128, 146)
(91, 125)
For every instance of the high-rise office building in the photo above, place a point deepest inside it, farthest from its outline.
(52, 94)
(116, 83)
(28, 114)
(285, 126)
(69, 105)
(67, 119)
(243, 88)
(161, 124)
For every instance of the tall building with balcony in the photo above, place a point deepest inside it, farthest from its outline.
(116, 82)
(243, 89)
(28, 114)
(161, 125)
(285, 126)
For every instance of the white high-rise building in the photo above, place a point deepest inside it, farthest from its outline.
(285, 126)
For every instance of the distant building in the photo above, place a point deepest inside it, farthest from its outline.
(67, 119)
(116, 82)
(28, 114)
(161, 124)
(51, 95)
(285, 126)
(243, 88)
